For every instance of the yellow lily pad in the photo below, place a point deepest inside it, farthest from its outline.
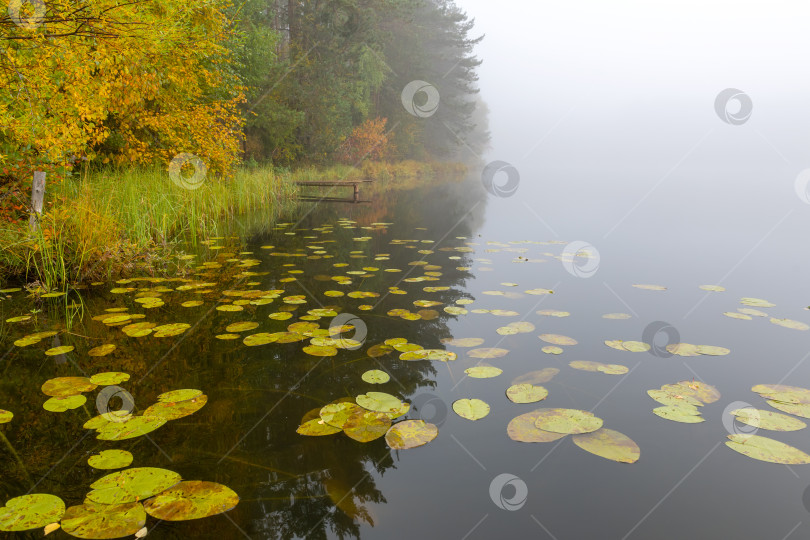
(765, 449)
(410, 434)
(609, 444)
(192, 499)
(523, 429)
(131, 485)
(483, 372)
(110, 459)
(471, 409)
(557, 339)
(101, 350)
(526, 393)
(568, 421)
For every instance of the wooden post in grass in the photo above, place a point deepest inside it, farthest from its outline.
(37, 198)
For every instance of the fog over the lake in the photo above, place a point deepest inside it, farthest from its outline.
(607, 109)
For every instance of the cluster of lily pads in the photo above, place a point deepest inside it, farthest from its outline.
(747, 313)
(681, 400)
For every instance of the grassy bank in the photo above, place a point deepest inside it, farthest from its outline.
(110, 223)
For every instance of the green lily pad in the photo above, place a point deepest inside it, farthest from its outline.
(110, 459)
(712, 350)
(109, 378)
(62, 404)
(365, 426)
(135, 426)
(523, 429)
(557, 339)
(687, 414)
(735, 315)
(440, 354)
(243, 326)
(5, 416)
(483, 372)
(336, 414)
(609, 444)
(783, 393)
(261, 339)
(320, 350)
(67, 386)
(56, 351)
(526, 393)
(316, 428)
(636, 346)
(790, 323)
(379, 402)
(176, 409)
(101, 350)
(552, 349)
(90, 520)
(30, 512)
(713, 288)
(767, 420)
(765, 449)
(375, 376)
(756, 302)
(796, 409)
(131, 485)
(665, 397)
(568, 421)
(701, 390)
(471, 409)
(191, 500)
(179, 395)
(410, 434)
(174, 329)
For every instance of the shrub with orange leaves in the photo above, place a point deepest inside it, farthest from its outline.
(369, 140)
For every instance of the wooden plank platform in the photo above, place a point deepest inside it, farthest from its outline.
(355, 184)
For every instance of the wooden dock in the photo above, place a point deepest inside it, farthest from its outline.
(355, 184)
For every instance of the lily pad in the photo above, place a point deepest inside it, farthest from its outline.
(109, 378)
(262, 338)
(701, 390)
(375, 376)
(135, 426)
(635, 346)
(67, 386)
(483, 372)
(796, 409)
(567, 421)
(31, 512)
(768, 420)
(176, 409)
(756, 302)
(523, 429)
(783, 393)
(179, 395)
(110, 459)
(687, 414)
(320, 350)
(379, 402)
(609, 444)
(552, 349)
(790, 323)
(410, 434)
(317, 428)
(674, 399)
(102, 350)
(336, 414)
(526, 393)
(174, 329)
(617, 316)
(471, 409)
(487, 352)
(243, 326)
(712, 350)
(131, 485)
(463, 342)
(535, 377)
(90, 520)
(557, 339)
(56, 351)
(62, 404)
(650, 287)
(191, 500)
(765, 449)
(5, 416)
(365, 426)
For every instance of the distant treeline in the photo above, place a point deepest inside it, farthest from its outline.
(281, 81)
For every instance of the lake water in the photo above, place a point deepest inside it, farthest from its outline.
(693, 228)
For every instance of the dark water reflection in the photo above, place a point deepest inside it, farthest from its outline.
(687, 484)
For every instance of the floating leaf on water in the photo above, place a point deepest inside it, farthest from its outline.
(174, 329)
(110, 459)
(753, 312)
(756, 302)
(5, 416)
(229, 307)
(735, 315)
(635, 346)
(650, 287)
(393, 342)
(685, 413)
(320, 350)
(67, 386)
(487, 352)
(90, 520)
(62, 404)
(471, 409)
(375, 376)
(796, 409)
(179, 395)
(783, 393)
(59, 350)
(280, 316)
(262, 338)
(553, 313)
(462, 342)
(557, 339)
(609, 444)
(523, 429)
(379, 402)
(192, 303)
(375, 351)
(101, 350)
(765, 449)
(26, 341)
(21, 318)
(767, 419)
(131, 485)
(30, 512)
(129, 429)
(552, 349)
(712, 350)
(535, 377)
(585, 365)
(109, 378)
(674, 399)
(506, 331)
(455, 310)
(243, 326)
(568, 421)
(366, 426)
(483, 372)
(178, 409)
(336, 414)
(140, 329)
(538, 292)
(526, 393)
(701, 390)
(616, 316)
(191, 500)
(410, 434)
(317, 428)
(227, 336)
(713, 288)
(613, 369)
(420, 354)
(790, 323)
(615, 344)
(683, 349)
